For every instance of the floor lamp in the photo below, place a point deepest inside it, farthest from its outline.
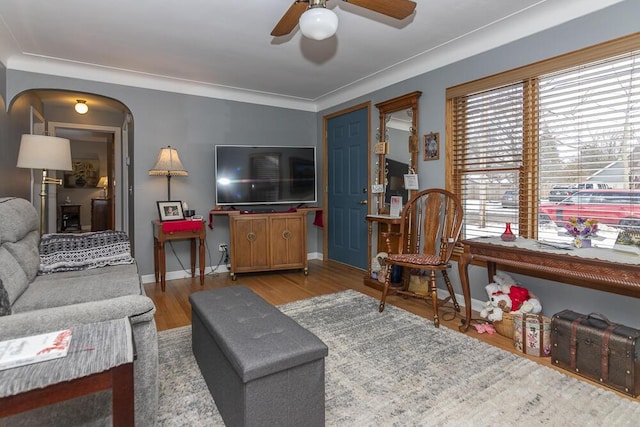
(44, 152)
(168, 164)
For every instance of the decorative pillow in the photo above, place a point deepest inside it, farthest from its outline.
(5, 303)
(66, 252)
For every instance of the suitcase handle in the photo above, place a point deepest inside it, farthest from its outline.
(599, 316)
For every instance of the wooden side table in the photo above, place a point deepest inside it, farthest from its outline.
(101, 215)
(172, 230)
(100, 357)
(70, 218)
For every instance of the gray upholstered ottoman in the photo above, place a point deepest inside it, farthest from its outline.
(262, 368)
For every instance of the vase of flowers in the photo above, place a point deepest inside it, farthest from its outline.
(582, 230)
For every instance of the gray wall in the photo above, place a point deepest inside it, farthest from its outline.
(193, 125)
(615, 21)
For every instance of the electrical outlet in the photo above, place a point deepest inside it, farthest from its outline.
(222, 247)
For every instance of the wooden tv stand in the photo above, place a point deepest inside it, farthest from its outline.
(267, 241)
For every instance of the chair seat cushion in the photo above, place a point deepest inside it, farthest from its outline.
(417, 259)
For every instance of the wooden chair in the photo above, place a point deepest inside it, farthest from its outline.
(430, 226)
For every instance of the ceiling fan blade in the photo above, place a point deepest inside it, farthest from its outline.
(398, 9)
(290, 19)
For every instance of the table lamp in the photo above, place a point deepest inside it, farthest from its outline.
(45, 152)
(103, 183)
(168, 164)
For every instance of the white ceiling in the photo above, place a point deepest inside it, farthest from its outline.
(223, 49)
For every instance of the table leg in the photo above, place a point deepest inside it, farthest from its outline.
(463, 270)
(491, 270)
(122, 395)
(163, 265)
(201, 261)
(193, 257)
(369, 242)
(156, 269)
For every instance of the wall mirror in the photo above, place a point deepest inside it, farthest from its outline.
(396, 147)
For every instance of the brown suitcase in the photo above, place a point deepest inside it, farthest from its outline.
(595, 348)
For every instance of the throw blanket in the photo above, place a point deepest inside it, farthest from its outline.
(66, 252)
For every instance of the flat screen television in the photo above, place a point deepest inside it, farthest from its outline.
(265, 175)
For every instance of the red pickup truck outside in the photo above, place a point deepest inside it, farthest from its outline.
(617, 208)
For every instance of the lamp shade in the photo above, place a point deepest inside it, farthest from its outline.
(44, 152)
(103, 182)
(168, 163)
(318, 23)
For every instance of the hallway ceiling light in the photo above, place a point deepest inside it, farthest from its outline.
(81, 106)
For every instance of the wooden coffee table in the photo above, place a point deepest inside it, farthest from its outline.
(100, 357)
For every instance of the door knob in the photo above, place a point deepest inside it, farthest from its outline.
(363, 202)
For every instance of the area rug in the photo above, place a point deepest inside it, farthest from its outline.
(396, 369)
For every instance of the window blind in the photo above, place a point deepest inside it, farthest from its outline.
(488, 129)
(589, 133)
(543, 132)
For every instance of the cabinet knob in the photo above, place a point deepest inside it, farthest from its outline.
(286, 234)
(251, 237)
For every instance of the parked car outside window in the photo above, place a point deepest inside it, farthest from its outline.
(617, 208)
(510, 199)
(560, 192)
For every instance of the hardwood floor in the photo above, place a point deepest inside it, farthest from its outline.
(174, 310)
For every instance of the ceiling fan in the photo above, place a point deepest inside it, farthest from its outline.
(318, 22)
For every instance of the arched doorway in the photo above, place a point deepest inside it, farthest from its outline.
(101, 146)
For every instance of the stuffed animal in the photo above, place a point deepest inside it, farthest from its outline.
(505, 281)
(532, 305)
(377, 261)
(498, 304)
(491, 289)
(518, 295)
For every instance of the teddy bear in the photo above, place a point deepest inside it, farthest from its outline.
(504, 281)
(498, 304)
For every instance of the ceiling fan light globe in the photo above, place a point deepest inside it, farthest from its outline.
(318, 23)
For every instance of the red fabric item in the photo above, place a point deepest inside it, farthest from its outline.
(518, 295)
(182, 225)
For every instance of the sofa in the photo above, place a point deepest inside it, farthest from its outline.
(68, 294)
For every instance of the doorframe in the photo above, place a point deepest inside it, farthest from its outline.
(325, 168)
(121, 220)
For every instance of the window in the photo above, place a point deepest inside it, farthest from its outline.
(545, 132)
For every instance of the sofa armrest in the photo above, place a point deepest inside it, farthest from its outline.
(138, 307)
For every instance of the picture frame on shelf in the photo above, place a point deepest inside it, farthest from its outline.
(170, 210)
(432, 146)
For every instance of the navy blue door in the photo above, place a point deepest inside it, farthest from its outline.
(347, 142)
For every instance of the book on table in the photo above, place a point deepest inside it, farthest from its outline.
(33, 349)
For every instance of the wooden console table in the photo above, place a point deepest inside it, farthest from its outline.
(596, 268)
(267, 241)
(100, 357)
(159, 257)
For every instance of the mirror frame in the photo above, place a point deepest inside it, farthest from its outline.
(403, 102)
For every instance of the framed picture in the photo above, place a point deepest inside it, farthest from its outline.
(85, 174)
(170, 211)
(432, 146)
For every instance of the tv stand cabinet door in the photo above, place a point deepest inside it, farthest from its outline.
(249, 243)
(288, 241)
